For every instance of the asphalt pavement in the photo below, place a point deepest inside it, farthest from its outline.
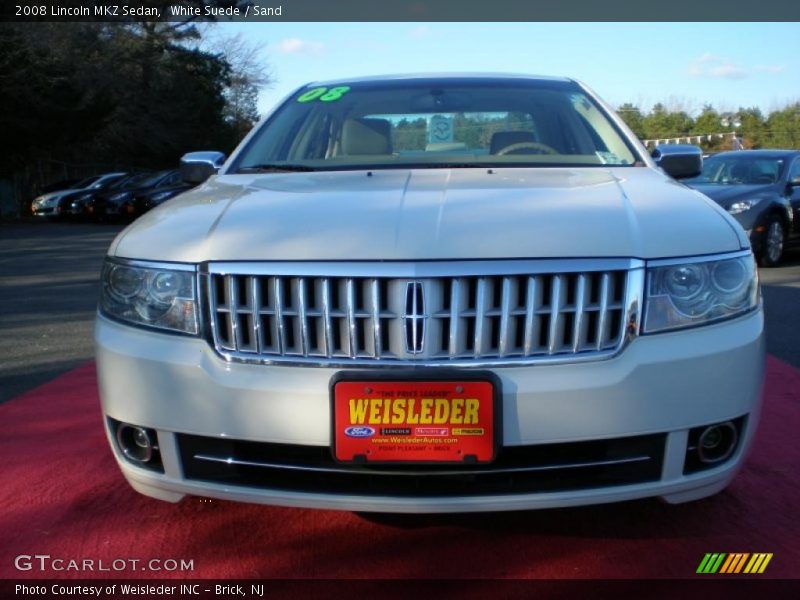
(49, 274)
(49, 287)
(781, 290)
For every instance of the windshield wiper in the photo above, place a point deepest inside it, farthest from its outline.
(276, 168)
(446, 165)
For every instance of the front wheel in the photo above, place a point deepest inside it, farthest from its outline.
(772, 245)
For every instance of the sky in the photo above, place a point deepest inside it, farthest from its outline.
(683, 65)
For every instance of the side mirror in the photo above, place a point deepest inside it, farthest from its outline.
(196, 167)
(679, 160)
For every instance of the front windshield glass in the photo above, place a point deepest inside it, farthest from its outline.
(153, 179)
(739, 170)
(142, 180)
(86, 182)
(437, 123)
(110, 182)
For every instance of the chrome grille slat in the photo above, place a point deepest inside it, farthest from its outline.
(505, 316)
(301, 309)
(352, 349)
(234, 308)
(530, 316)
(255, 299)
(326, 316)
(555, 315)
(375, 301)
(480, 309)
(455, 310)
(277, 291)
(601, 327)
(577, 331)
(470, 319)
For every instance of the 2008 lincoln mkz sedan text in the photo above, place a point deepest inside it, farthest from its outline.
(433, 293)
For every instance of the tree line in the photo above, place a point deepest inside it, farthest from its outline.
(778, 129)
(119, 95)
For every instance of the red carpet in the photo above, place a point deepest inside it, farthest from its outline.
(61, 494)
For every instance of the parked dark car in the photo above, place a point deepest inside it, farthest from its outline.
(61, 184)
(50, 204)
(761, 189)
(75, 204)
(149, 199)
(117, 203)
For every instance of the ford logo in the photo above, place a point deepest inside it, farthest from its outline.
(359, 432)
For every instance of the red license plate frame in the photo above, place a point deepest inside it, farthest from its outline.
(396, 420)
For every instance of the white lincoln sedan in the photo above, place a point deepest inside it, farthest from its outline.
(433, 293)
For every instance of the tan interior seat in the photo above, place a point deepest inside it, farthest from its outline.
(366, 137)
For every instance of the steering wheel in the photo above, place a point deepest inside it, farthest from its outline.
(514, 148)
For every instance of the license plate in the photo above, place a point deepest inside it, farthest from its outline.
(414, 421)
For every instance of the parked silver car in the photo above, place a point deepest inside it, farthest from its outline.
(433, 293)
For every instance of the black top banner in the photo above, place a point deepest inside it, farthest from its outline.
(399, 10)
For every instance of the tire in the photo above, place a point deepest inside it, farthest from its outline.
(772, 245)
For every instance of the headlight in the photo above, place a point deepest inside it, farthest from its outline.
(156, 297)
(742, 206)
(696, 293)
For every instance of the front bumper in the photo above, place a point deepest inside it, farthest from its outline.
(661, 384)
(45, 211)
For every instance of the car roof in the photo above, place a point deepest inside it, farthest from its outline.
(765, 153)
(398, 77)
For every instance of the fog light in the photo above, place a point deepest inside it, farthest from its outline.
(717, 442)
(136, 443)
(709, 446)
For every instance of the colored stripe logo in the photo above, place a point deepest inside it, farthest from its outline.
(736, 562)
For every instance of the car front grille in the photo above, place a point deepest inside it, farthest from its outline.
(517, 470)
(521, 314)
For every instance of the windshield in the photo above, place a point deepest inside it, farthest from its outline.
(142, 180)
(86, 182)
(154, 179)
(110, 182)
(436, 123)
(740, 170)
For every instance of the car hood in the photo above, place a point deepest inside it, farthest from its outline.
(47, 196)
(58, 195)
(434, 214)
(725, 195)
(51, 197)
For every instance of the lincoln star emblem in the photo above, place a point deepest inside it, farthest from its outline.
(414, 317)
